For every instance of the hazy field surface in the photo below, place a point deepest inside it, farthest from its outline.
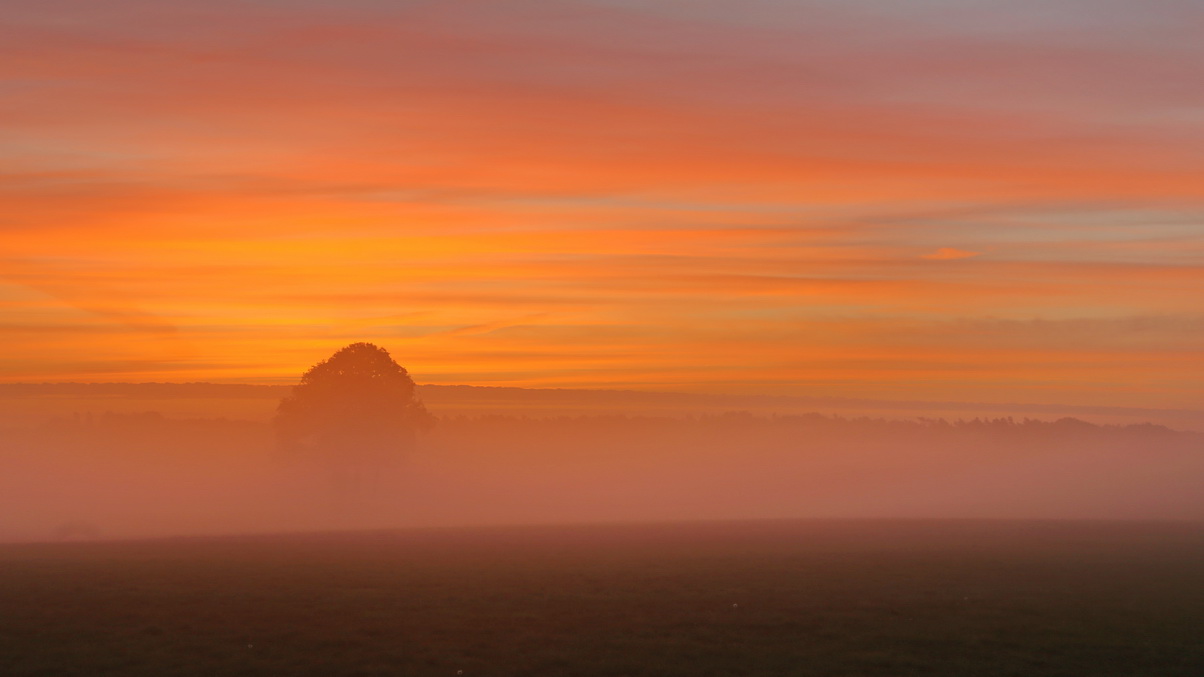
(745, 598)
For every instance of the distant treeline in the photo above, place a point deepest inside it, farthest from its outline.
(807, 426)
(502, 398)
(1005, 428)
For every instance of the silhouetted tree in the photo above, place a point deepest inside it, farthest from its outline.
(355, 409)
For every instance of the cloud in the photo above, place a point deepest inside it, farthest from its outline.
(949, 254)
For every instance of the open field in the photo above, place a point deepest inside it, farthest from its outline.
(746, 598)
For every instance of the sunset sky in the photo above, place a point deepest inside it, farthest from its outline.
(925, 200)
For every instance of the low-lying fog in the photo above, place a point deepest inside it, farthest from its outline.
(129, 475)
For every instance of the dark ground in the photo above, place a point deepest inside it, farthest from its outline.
(755, 598)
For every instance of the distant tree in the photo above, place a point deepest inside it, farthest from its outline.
(356, 409)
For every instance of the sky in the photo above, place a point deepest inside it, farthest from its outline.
(931, 200)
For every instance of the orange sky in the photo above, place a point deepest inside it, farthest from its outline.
(987, 201)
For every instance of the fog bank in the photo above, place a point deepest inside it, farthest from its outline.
(131, 475)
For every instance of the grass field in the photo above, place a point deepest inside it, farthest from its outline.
(752, 598)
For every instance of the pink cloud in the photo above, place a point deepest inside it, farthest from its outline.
(949, 254)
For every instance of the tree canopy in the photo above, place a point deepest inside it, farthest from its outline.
(358, 403)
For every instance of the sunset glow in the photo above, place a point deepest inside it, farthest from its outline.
(975, 201)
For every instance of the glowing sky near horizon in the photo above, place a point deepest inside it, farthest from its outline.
(972, 200)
